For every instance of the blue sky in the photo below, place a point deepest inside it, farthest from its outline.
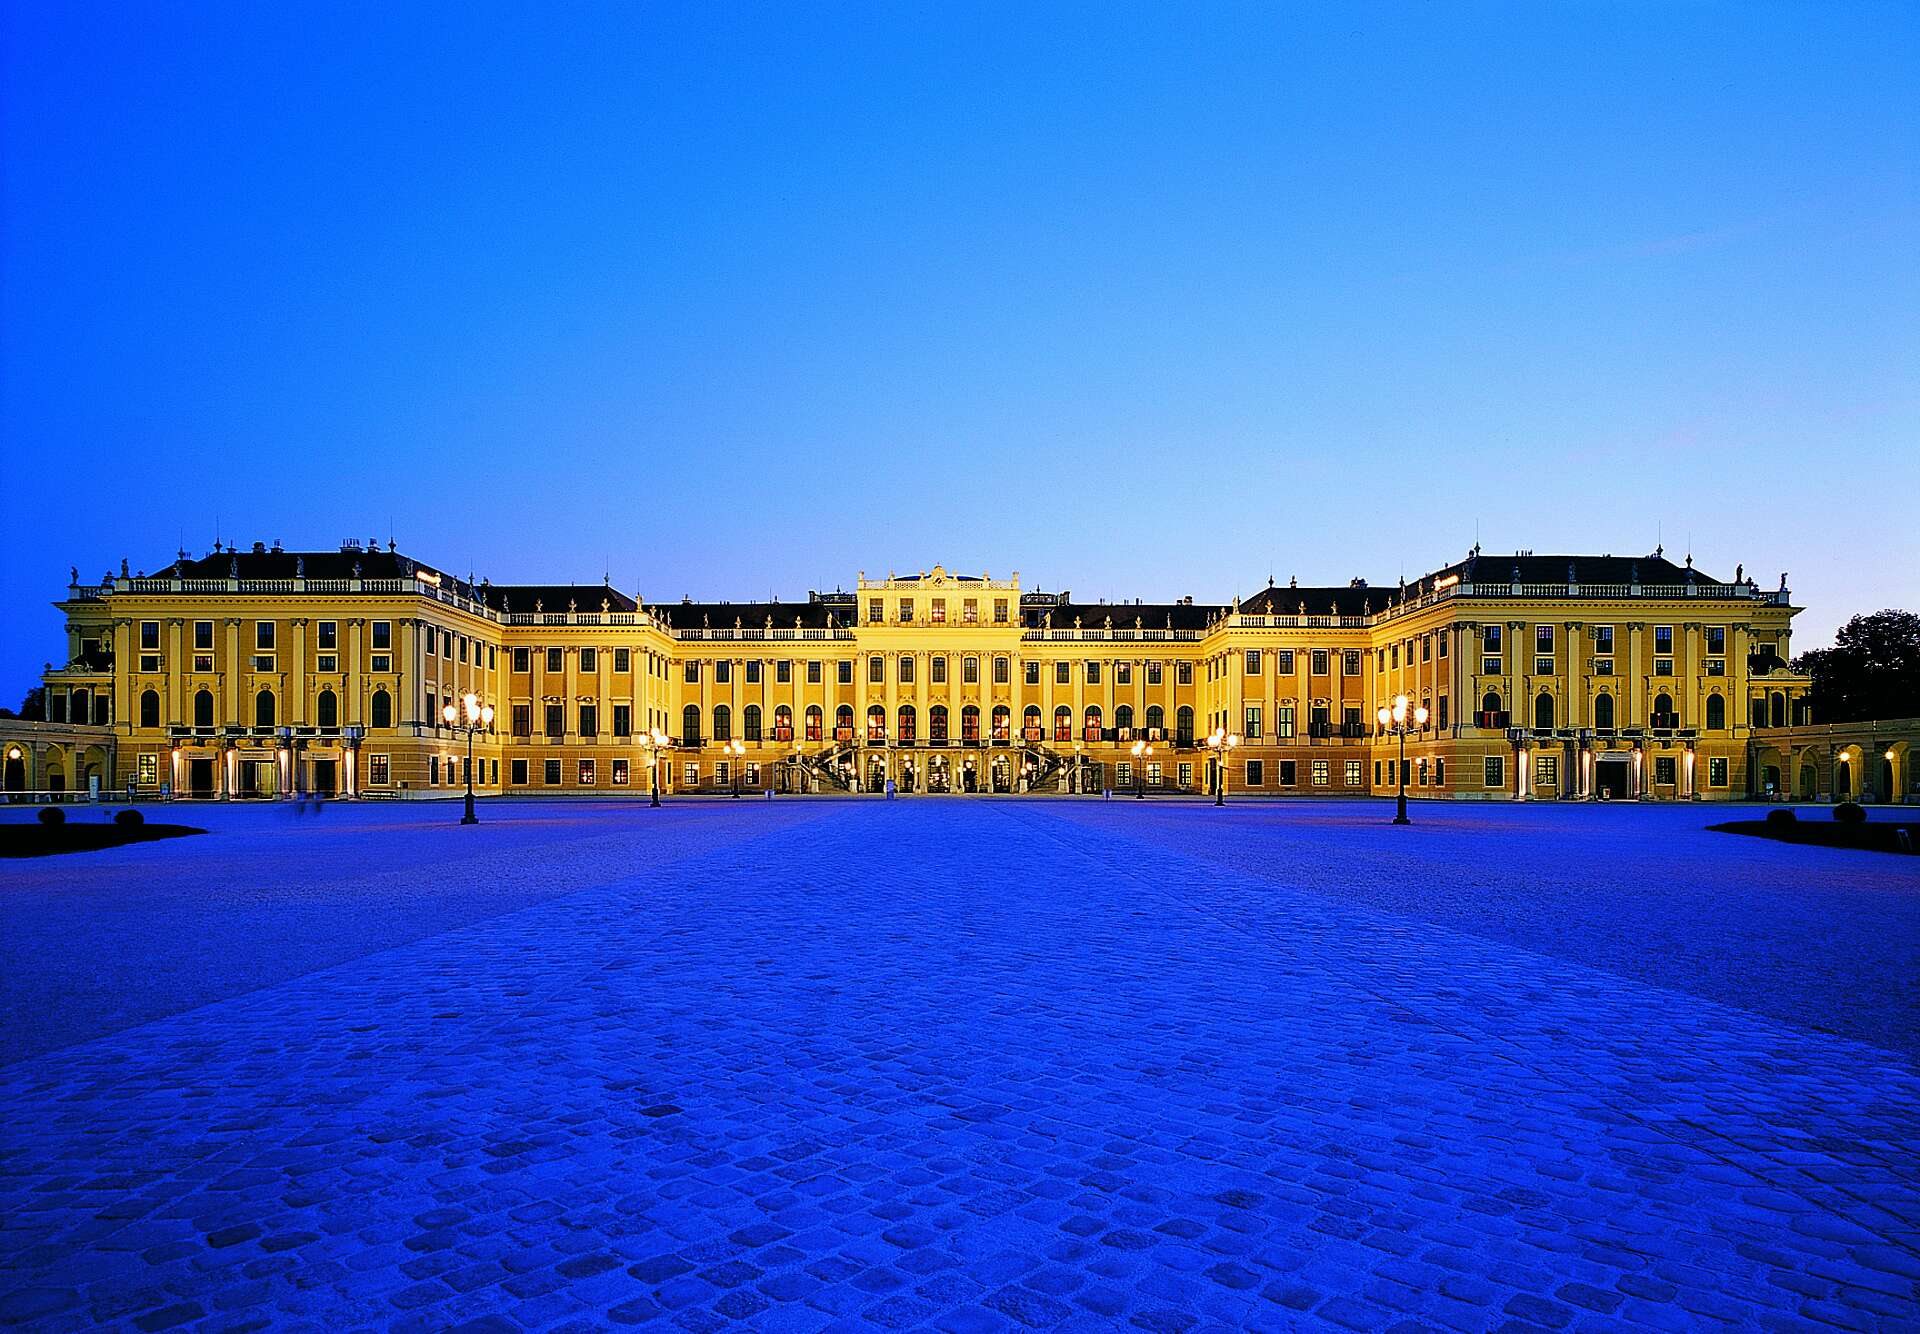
(1139, 301)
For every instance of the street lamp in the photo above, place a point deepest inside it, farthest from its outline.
(468, 716)
(1222, 743)
(656, 743)
(736, 749)
(1398, 719)
(1077, 783)
(1142, 752)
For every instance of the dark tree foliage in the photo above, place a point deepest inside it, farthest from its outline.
(1872, 670)
(33, 708)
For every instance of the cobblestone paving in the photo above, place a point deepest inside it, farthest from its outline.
(964, 1066)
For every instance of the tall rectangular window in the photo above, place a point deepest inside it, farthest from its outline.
(263, 634)
(522, 661)
(556, 720)
(1319, 662)
(876, 670)
(1253, 662)
(1495, 774)
(723, 671)
(203, 634)
(150, 635)
(622, 720)
(556, 661)
(622, 660)
(589, 720)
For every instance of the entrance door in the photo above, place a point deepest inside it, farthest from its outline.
(200, 778)
(1002, 774)
(326, 777)
(1610, 778)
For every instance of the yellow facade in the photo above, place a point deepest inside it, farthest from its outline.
(264, 673)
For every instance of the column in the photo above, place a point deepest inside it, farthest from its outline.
(356, 690)
(176, 671)
(409, 685)
(123, 665)
(297, 677)
(233, 665)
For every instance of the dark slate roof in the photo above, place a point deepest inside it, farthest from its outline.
(555, 597)
(812, 614)
(1289, 600)
(374, 564)
(1093, 615)
(1487, 568)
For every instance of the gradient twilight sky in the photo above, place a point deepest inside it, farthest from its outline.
(1136, 300)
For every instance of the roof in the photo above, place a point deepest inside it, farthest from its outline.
(555, 597)
(1094, 615)
(811, 614)
(1297, 600)
(370, 563)
(1527, 568)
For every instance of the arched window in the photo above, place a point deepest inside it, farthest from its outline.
(1002, 722)
(263, 709)
(909, 723)
(1156, 721)
(843, 723)
(1183, 725)
(1716, 713)
(750, 723)
(1663, 711)
(1091, 729)
(1543, 712)
(876, 723)
(1123, 719)
(1490, 702)
(150, 709)
(326, 710)
(722, 723)
(782, 723)
(1030, 728)
(1063, 724)
(690, 725)
(382, 712)
(1603, 712)
(814, 717)
(970, 721)
(937, 724)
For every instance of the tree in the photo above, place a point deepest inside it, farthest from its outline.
(1872, 671)
(32, 709)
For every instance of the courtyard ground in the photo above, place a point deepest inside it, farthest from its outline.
(962, 1065)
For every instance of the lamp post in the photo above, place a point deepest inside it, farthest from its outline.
(656, 743)
(468, 716)
(736, 749)
(1396, 719)
(1222, 743)
(1075, 785)
(1142, 752)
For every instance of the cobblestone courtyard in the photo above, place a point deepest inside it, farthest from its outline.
(960, 1065)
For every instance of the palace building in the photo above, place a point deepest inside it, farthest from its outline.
(263, 673)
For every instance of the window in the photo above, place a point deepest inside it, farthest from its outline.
(1603, 666)
(1355, 778)
(907, 723)
(843, 672)
(326, 711)
(516, 772)
(381, 713)
(1716, 639)
(1319, 662)
(1251, 723)
(1183, 726)
(692, 674)
(263, 709)
(722, 723)
(783, 671)
(1063, 724)
(150, 635)
(1663, 639)
(1282, 721)
(622, 774)
(1543, 639)
(691, 770)
(1093, 673)
(876, 723)
(1496, 771)
(1123, 774)
(1001, 671)
(1663, 770)
(1603, 712)
(1444, 637)
(1717, 771)
(1153, 673)
(1543, 712)
(970, 671)
(1603, 639)
(150, 708)
(1393, 656)
(1256, 774)
(813, 672)
(876, 610)
(1032, 672)
(970, 611)
(814, 722)
(1123, 721)
(623, 660)
(1253, 669)
(1283, 663)
(622, 720)
(1716, 713)
(1439, 773)
(723, 671)
(589, 660)
(1289, 773)
(1322, 773)
(203, 634)
(937, 724)
(263, 634)
(1546, 770)
(750, 723)
(433, 769)
(587, 776)
(939, 611)
(1351, 662)
(999, 611)
(589, 721)
(876, 670)
(522, 660)
(1184, 675)
(906, 611)
(1440, 716)
(1062, 673)
(938, 669)
(556, 720)
(550, 772)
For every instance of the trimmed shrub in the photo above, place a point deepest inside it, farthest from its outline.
(1850, 812)
(131, 818)
(52, 815)
(1782, 817)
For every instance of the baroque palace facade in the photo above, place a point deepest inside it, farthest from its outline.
(263, 672)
